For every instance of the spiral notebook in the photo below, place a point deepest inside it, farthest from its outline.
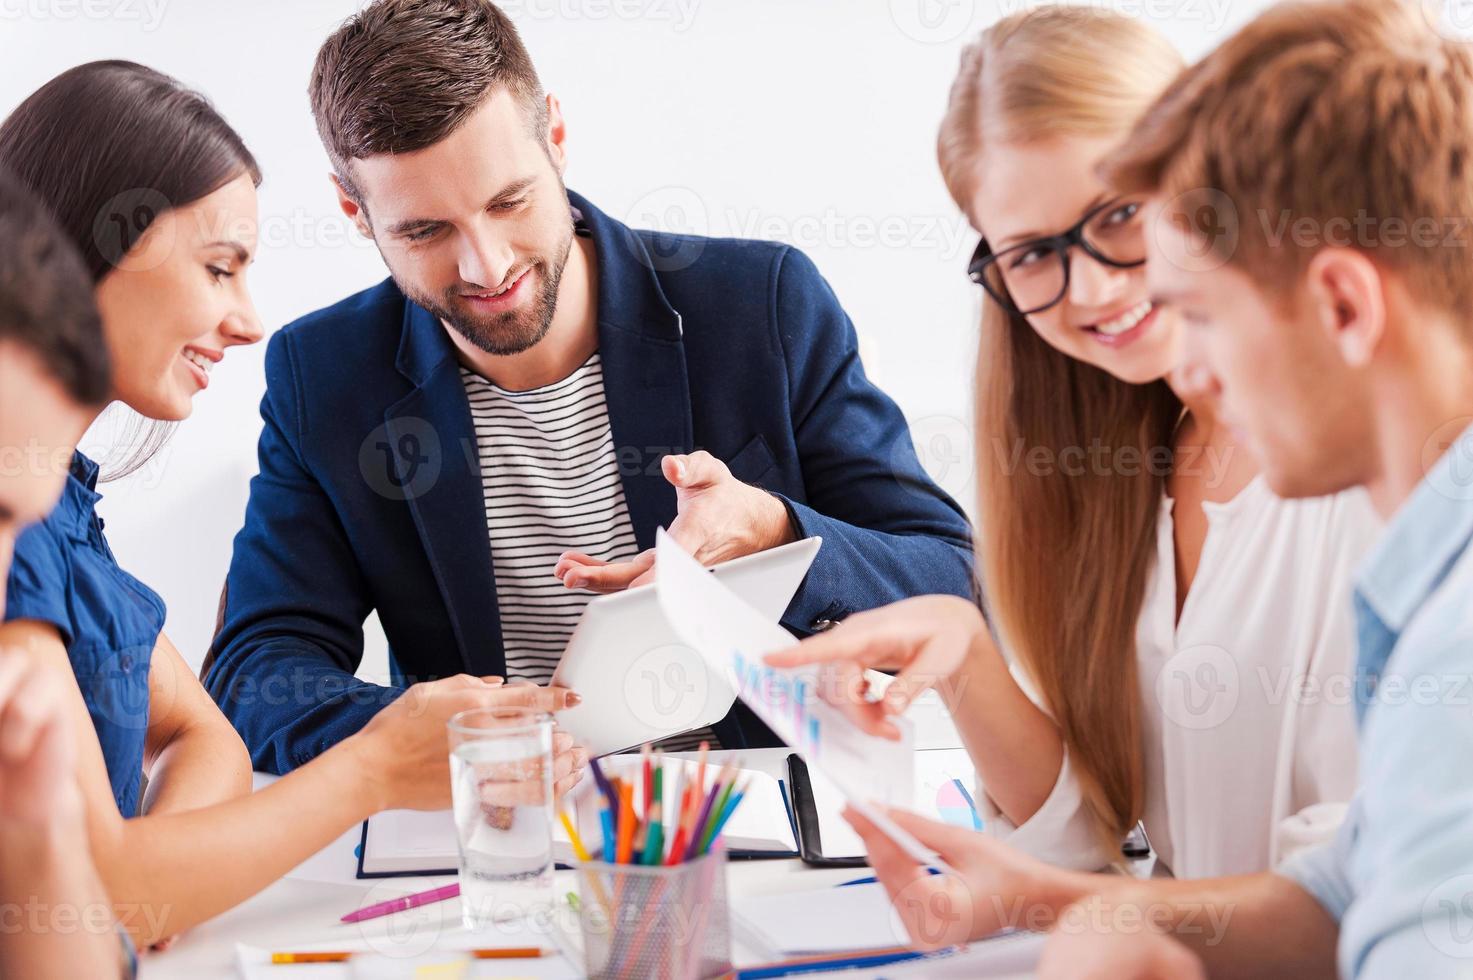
(398, 843)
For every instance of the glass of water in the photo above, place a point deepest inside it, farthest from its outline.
(501, 790)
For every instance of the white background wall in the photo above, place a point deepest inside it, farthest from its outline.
(807, 121)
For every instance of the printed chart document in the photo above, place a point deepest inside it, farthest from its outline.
(732, 638)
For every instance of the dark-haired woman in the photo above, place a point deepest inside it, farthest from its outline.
(159, 194)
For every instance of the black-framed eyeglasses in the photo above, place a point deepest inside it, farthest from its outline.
(1032, 276)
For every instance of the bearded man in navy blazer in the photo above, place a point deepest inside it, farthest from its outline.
(480, 444)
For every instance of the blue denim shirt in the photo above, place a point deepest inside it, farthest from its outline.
(64, 574)
(1399, 875)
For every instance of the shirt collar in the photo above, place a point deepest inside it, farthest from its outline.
(1430, 531)
(79, 499)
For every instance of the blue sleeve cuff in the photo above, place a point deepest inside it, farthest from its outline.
(1321, 871)
(38, 583)
(817, 604)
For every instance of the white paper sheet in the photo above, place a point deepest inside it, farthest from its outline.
(854, 918)
(733, 638)
(440, 957)
(860, 919)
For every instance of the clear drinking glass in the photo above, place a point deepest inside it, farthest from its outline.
(501, 790)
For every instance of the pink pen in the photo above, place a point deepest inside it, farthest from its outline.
(404, 902)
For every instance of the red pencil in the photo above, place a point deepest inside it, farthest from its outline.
(701, 770)
(649, 780)
(682, 826)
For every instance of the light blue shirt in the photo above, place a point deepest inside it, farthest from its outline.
(1398, 877)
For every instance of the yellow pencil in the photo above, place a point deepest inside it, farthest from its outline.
(578, 849)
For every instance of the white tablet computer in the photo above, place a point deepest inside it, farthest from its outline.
(638, 681)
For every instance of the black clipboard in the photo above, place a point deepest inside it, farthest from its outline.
(805, 820)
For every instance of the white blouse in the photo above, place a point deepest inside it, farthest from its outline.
(1248, 720)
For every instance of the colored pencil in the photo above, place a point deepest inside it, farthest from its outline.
(701, 769)
(654, 820)
(725, 779)
(677, 799)
(684, 819)
(649, 782)
(579, 851)
(606, 821)
(699, 827)
(281, 958)
(654, 843)
(731, 804)
(626, 823)
(677, 842)
(659, 794)
(604, 786)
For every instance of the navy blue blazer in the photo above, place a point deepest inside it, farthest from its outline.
(369, 493)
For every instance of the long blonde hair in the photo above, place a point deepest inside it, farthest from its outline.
(1065, 556)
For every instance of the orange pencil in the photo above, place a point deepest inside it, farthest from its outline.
(281, 958)
(626, 823)
(512, 953)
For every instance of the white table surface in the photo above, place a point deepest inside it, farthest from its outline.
(303, 908)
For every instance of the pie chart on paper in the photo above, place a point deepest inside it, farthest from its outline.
(955, 805)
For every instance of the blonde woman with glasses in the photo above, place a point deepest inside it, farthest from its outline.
(1165, 641)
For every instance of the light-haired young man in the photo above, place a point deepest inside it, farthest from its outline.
(1313, 188)
(476, 446)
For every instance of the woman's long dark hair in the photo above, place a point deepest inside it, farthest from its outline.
(109, 146)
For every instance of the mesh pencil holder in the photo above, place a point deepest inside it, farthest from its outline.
(655, 923)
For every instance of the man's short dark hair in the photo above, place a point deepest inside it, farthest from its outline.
(402, 75)
(46, 301)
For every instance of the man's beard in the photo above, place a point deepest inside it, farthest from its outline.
(512, 332)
